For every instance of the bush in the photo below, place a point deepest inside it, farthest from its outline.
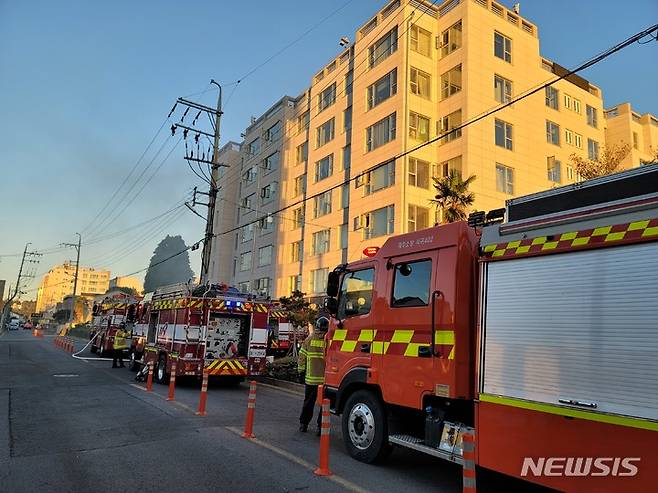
(283, 369)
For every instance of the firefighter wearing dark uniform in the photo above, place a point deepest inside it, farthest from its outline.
(311, 369)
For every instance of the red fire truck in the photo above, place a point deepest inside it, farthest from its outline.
(538, 334)
(107, 317)
(218, 329)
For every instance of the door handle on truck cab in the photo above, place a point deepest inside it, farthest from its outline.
(435, 295)
(365, 348)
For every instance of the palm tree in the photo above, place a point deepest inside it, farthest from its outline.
(452, 195)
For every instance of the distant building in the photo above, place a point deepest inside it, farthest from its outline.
(58, 283)
(623, 125)
(126, 282)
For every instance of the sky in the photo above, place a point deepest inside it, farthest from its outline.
(85, 86)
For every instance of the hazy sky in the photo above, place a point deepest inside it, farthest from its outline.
(84, 86)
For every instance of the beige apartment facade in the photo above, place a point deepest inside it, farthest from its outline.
(59, 280)
(414, 74)
(640, 132)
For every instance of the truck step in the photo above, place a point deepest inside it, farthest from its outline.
(418, 444)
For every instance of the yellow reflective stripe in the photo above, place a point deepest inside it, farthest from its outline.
(514, 244)
(539, 241)
(523, 249)
(615, 236)
(340, 334)
(402, 335)
(348, 346)
(452, 353)
(367, 335)
(602, 231)
(490, 248)
(379, 347)
(412, 349)
(638, 225)
(569, 236)
(317, 343)
(549, 245)
(444, 337)
(580, 241)
(650, 232)
(573, 413)
(499, 253)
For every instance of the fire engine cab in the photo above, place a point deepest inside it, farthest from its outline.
(538, 334)
(107, 317)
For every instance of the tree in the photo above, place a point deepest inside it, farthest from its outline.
(168, 265)
(300, 314)
(124, 289)
(653, 159)
(607, 162)
(452, 196)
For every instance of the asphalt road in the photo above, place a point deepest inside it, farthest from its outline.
(72, 425)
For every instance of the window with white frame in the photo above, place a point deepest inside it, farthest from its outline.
(263, 286)
(578, 140)
(417, 218)
(503, 134)
(450, 127)
(592, 149)
(451, 82)
(552, 97)
(294, 283)
(576, 105)
(302, 153)
(244, 287)
(383, 176)
(419, 172)
(296, 251)
(502, 47)
(592, 117)
(247, 232)
(268, 192)
(344, 236)
(324, 168)
(322, 204)
(321, 241)
(553, 167)
(249, 176)
(420, 40)
(327, 97)
(380, 133)
(254, 147)
(345, 196)
(377, 223)
(504, 179)
(382, 89)
(568, 137)
(266, 224)
(271, 162)
(298, 218)
(384, 47)
(502, 89)
(303, 121)
(420, 83)
(444, 168)
(299, 185)
(265, 255)
(567, 101)
(273, 133)
(552, 133)
(451, 39)
(318, 282)
(248, 202)
(245, 261)
(325, 132)
(419, 127)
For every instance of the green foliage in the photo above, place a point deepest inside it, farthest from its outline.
(124, 289)
(172, 265)
(300, 313)
(452, 196)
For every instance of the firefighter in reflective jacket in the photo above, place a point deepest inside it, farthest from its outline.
(119, 347)
(311, 369)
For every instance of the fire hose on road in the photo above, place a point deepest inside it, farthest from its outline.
(75, 355)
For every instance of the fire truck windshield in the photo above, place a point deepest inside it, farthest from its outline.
(355, 295)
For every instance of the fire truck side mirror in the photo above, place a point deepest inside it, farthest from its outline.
(333, 280)
(94, 310)
(331, 305)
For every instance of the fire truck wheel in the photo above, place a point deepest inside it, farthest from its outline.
(161, 373)
(93, 348)
(132, 364)
(100, 351)
(364, 427)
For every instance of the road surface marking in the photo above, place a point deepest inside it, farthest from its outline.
(175, 403)
(293, 458)
(66, 375)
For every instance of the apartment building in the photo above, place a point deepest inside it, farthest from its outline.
(623, 125)
(58, 283)
(386, 115)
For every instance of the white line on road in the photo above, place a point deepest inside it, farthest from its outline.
(293, 458)
(175, 403)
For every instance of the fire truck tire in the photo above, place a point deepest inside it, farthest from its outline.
(365, 429)
(100, 351)
(133, 365)
(161, 372)
(93, 348)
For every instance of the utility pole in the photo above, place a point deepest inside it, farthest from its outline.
(17, 289)
(213, 162)
(77, 268)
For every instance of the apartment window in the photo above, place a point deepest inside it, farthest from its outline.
(319, 280)
(247, 232)
(302, 153)
(419, 173)
(343, 235)
(325, 133)
(592, 118)
(321, 240)
(265, 256)
(384, 47)
(297, 218)
(444, 168)
(448, 123)
(299, 185)
(376, 223)
(570, 173)
(303, 121)
(552, 133)
(266, 225)
(377, 179)
(504, 179)
(296, 251)
(502, 47)
(451, 39)
(327, 97)
(576, 105)
(294, 283)
(263, 286)
(578, 140)
(268, 192)
(349, 81)
(568, 137)
(502, 89)
(420, 83)
(271, 162)
(382, 89)
(347, 157)
(345, 196)
(324, 168)
(322, 204)
(553, 167)
(347, 119)
(567, 101)
(418, 218)
(274, 132)
(451, 82)
(380, 133)
(552, 97)
(254, 147)
(248, 201)
(249, 176)
(503, 133)
(245, 261)
(592, 149)
(420, 40)
(419, 127)
(411, 284)
(636, 140)
(244, 287)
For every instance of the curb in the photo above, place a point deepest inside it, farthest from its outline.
(285, 384)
